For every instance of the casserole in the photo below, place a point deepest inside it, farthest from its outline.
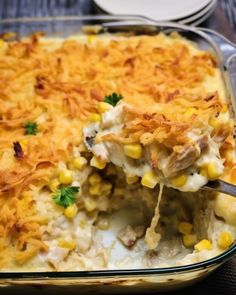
(142, 277)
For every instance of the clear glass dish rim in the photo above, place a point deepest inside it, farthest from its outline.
(215, 261)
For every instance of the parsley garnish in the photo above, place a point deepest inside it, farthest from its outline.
(113, 98)
(66, 196)
(31, 128)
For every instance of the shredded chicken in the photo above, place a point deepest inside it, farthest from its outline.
(129, 235)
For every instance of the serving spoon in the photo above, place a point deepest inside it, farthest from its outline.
(220, 186)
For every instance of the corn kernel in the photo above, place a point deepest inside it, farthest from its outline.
(104, 107)
(106, 188)
(79, 162)
(203, 172)
(71, 245)
(71, 211)
(1, 43)
(82, 147)
(65, 176)
(132, 179)
(133, 150)
(24, 144)
(27, 196)
(103, 223)
(95, 117)
(203, 245)
(212, 171)
(97, 163)
(185, 227)
(149, 179)
(225, 239)
(90, 205)
(189, 240)
(179, 180)
(190, 111)
(214, 122)
(95, 190)
(90, 38)
(94, 178)
(53, 184)
(224, 108)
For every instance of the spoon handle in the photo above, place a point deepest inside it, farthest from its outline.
(221, 186)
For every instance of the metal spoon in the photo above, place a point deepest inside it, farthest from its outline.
(220, 186)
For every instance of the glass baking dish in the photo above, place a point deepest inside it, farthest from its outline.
(138, 280)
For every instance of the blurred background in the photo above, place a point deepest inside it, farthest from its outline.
(219, 15)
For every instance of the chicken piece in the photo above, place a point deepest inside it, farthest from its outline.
(56, 255)
(129, 235)
(185, 156)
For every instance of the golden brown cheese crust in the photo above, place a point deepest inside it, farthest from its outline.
(59, 86)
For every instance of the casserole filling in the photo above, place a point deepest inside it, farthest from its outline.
(105, 142)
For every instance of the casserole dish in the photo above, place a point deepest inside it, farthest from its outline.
(155, 279)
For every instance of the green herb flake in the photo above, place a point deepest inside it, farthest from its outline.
(31, 128)
(113, 98)
(66, 196)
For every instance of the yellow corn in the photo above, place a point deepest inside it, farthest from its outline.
(79, 162)
(225, 239)
(203, 245)
(190, 111)
(65, 176)
(189, 240)
(106, 187)
(90, 205)
(133, 150)
(91, 38)
(185, 227)
(132, 179)
(95, 190)
(224, 108)
(1, 42)
(27, 196)
(71, 211)
(179, 180)
(94, 117)
(104, 107)
(214, 122)
(94, 178)
(212, 171)
(149, 179)
(203, 172)
(82, 147)
(103, 223)
(24, 144)
(53, 184)
(71, 245)
(97, 163)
